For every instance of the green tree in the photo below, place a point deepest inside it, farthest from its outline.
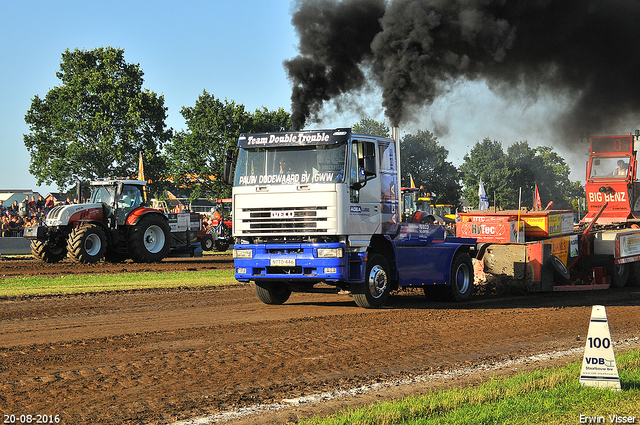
(96, 122)
(196, 155)
(425, 160)
(485, 161)
(370, 126)
(521, 168)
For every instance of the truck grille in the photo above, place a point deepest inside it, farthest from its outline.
(283, 220)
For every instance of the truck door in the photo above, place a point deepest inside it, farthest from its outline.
(364, 197)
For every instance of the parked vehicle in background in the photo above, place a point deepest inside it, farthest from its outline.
(114, 225)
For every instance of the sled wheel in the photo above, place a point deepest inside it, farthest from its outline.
(150, 239)
(620, 275)
(560, 271)
(373, 293)
(273, 293)
(87, 243)
(45, 253)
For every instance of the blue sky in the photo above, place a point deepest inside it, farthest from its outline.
(232, 49)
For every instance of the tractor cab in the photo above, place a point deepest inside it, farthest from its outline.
(611, 180)
(119, 197)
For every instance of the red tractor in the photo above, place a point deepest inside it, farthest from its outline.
(115, 225)
(218, 235)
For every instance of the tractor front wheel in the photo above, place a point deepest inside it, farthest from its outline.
(45, 253)
(87, 243)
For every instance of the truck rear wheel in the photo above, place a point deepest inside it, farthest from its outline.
(273, 293)
(43, 252)
(461, 287)
(87, 243)
(373, 293)
(149, 239)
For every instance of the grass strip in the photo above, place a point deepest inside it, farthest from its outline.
(72, 284)
(549, 396)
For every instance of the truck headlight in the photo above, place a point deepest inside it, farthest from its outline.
(242, 253)
(329, 252)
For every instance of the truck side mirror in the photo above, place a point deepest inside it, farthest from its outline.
(119, 187)
(228, 167)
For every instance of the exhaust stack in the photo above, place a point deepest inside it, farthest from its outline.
(395, 135)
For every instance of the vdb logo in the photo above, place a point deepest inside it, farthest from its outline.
(598, 361)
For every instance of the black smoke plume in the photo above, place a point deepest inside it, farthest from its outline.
(585, 49)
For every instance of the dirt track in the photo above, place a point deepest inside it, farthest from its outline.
(159, 356)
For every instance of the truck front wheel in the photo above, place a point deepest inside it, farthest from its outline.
(273, 293)
(150, 239)
(375, 290)
(87, 243)
(45, 253)
(461, 287)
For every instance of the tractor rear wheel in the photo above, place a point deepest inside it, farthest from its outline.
(150, 239)
(87, 243)
(45, 253)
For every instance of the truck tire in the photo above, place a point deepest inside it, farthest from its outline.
(87, 243)
(207, 243)
(373, 293)
(43, 252)
(149, 239)
(461, 287)
(273, 293)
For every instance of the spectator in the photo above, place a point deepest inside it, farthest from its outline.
(40, 202)
(4, 227)
(50, 203)
(14, 226)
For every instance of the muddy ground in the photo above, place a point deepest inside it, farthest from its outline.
(158, 356)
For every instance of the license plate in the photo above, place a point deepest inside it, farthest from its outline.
(283, 262)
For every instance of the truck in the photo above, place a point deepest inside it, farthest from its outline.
(545, 250)
(320, 211)
(114, 225)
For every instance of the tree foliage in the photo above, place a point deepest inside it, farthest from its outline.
(371, 126)
(96, 122)
(196, 155)
(520, 168)
(424, 159)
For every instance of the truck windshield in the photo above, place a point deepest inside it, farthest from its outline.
(291, 165)
(609, 167)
